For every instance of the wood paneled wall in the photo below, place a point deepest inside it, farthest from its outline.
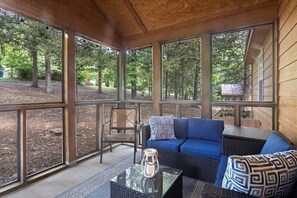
(287, 69)
(255, 85)
(264, 114)
(81, 17)
(268, 68)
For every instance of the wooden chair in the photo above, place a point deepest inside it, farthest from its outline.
(122, 128)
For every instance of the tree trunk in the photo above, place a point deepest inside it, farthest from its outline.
(150, 91)
(195, 87)
(182, 86)
(133, 86)
(166, 85)
(48, 82)
(11, 72)
(175, 86)
(99, 90)
(115, 83)
(34, 68)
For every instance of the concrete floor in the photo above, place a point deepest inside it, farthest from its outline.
(57, 183)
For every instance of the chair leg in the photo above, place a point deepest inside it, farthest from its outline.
(135, 150)
(101, 150)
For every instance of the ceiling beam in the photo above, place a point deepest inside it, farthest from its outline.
(136, 16)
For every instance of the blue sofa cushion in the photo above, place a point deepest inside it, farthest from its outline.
(202, 148)
(206, 129)
(276, 142)
(168, 145)
(181, 127)
(221, 170)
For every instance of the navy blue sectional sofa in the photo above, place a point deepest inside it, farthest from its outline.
(199, 152)
(196, 150)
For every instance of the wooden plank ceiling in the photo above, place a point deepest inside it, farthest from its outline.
(135, 17)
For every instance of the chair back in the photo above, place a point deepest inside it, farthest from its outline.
(122, 121)
(123, 118)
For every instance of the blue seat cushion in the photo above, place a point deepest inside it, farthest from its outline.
(168, 145)
(221, 170)
(276, 142)
(181, 127)
(206, 129)
(202, 148)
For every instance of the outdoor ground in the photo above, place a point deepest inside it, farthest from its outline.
(44, 144)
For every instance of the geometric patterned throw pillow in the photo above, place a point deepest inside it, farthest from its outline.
(263, 175)
(161, 127)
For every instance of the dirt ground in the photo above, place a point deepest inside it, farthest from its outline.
(44, 144)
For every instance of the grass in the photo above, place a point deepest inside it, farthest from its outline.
(104, 89)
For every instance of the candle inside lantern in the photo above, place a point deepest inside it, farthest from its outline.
(150, 169)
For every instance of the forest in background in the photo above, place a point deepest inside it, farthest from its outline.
(31, 50)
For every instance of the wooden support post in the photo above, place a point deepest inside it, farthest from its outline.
(156, 93)
(69, 99)
(121, 75)
(97, 135)
(99, 123)
(22, 146)
(206, 76)
(139, 118)
(275, 77)
(237, 115)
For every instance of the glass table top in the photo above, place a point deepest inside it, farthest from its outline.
(157, 186)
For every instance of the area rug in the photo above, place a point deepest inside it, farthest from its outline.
(98, 186)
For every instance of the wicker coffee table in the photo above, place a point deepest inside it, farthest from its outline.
(131, 183)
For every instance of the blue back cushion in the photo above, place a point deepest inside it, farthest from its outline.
(206, 129)
(181, 128)
(276, 142)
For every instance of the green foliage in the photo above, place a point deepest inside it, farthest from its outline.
(25, 45)
(18, 61)
(228, 50)
(99, 62)
(181, 70)
(109, 77)
(23, 39)
(139, 71)
(81, 77)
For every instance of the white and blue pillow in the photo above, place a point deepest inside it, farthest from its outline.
(263, 175)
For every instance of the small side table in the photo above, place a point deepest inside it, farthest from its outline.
(243, 140)
(131, 183)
